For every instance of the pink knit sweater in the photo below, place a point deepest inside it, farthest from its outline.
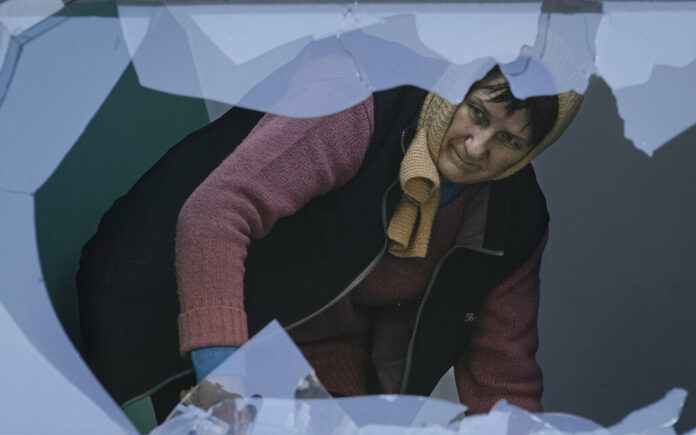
(277, 169)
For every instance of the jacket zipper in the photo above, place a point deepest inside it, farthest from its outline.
(436, 271)
(358, 279)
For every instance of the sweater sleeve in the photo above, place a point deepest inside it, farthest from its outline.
(500, 362)
(279, 167)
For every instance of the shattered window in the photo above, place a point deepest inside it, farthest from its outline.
(94, 93)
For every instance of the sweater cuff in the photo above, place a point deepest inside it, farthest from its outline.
(212, 326)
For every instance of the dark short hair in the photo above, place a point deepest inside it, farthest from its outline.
(541, 112)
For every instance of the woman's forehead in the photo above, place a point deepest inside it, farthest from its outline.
(483, 97)
(516, 123)
(491, 87)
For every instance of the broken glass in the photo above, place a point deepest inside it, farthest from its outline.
(250, 393)
(56, 71)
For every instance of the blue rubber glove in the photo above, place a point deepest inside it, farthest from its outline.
(206, 359)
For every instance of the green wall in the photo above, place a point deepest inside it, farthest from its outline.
(129, 133)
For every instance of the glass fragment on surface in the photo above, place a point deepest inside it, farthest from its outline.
(658, 417)
(267, 387)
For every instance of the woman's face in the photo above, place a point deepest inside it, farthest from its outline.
(482, 142)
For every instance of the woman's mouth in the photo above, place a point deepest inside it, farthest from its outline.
(462, 159)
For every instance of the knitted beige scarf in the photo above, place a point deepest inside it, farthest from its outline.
(410, 226)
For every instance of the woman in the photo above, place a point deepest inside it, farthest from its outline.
(383, 288)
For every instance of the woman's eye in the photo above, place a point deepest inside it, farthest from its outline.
(476, 113)
(509, 140)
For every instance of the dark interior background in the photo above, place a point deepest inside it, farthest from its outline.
(616, 325)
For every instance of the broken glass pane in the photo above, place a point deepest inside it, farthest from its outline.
(36, 352)
(55, 72)
(646, 51)
(267, 386)
(39, 398)
(17, 16)
(41, 111)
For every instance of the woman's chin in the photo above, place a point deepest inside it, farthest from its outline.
(456, 172)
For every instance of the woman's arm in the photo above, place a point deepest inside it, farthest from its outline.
(275, 171)
(500, 362)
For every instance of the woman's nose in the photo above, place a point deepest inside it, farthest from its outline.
(477, 145)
